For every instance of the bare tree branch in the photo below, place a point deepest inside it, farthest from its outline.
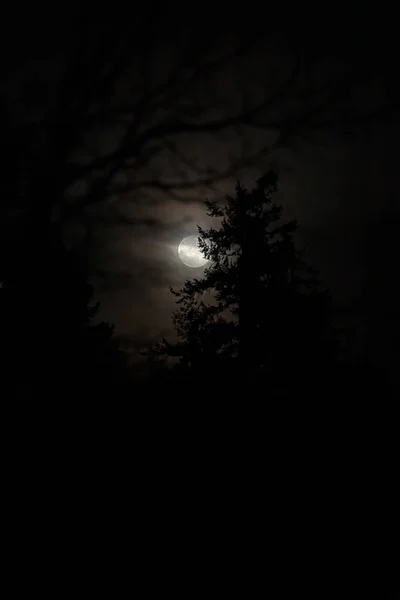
(136, 100)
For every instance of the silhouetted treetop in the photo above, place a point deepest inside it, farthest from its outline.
(257, 305)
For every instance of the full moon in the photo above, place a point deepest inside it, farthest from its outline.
(189, 252)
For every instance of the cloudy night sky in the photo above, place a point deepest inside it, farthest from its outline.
(328, 124)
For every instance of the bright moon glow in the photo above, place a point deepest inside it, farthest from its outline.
(189, 252)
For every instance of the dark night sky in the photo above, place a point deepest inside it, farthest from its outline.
(339, 188)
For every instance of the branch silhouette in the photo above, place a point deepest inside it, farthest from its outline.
(143, 94)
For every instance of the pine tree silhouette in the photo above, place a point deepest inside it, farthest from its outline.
(50, 341)
(258, 311)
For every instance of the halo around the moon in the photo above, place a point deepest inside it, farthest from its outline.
(189, 252)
